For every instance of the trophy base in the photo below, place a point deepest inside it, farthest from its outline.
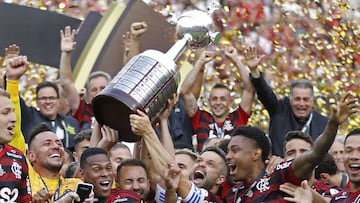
(113, 108)
(146, 82)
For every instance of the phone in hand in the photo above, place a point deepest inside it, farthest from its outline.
(83, 190)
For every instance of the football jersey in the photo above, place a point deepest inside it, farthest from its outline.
(200, 195)
(206, 127)
(84, 115)
(117, 196)
(14, 179)
(265, 188)
(325, 189)
(346, 196)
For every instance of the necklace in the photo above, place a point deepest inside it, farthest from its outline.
(57, 191)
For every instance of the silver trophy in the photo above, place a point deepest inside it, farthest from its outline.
(149, 79)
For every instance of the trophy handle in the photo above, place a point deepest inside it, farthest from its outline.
(178, 48)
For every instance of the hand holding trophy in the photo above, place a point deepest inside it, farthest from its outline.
(149, 79)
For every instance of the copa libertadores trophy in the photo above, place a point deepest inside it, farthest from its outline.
(149, 79)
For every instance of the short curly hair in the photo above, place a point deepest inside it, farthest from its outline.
(256, 134)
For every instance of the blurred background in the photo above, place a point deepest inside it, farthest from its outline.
(317, 40)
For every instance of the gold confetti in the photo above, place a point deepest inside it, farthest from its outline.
(325, 50)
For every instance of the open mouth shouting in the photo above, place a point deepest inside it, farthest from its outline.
(199, 176)
(232, 168)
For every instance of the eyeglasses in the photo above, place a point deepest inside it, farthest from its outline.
(47, 98)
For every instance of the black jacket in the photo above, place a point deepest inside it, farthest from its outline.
(282, 118)
(31, 117)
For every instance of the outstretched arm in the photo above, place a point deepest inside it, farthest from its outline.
(247, 98)
(140, 125)
(264, 92)
(252, 61)
(305, 164)
(66, 76)
(16, 66)
(10, 52)
(196, 87)
(172, 183)
(131, 40)
(165, 137)
(190, 100)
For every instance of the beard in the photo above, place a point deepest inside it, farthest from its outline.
(207, 184)
(52, 167)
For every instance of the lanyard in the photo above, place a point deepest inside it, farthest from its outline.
(220, 132)
(62, 126)
(66, 133)
(343, 180)
(57, 191)
(307, 124)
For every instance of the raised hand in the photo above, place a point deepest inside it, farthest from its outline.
(172, 174)
(140, 123)
(131, 40)
(12, 51)
(137, 29)
(109, 137)
(347, 106)
(231, 52)
(16, 67)
(67, 39)
(252, 59)
(170, 105)
(271, 163)
(297, 194)
(205, 57)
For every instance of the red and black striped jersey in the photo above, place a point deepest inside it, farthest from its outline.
(325, 189)
(84, 115)
(14, 177)
(117, 195)
(206, 127)
(266, 188)
(346, 196)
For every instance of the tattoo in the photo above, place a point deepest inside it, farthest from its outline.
(190, 104)
(193, 106)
